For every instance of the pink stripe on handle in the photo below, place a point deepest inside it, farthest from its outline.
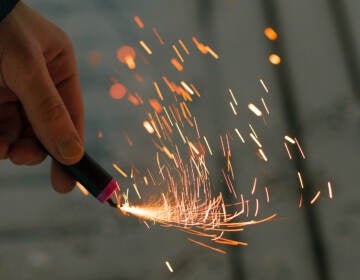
(108, 191)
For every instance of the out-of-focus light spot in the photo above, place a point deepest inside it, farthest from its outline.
(94, 58)
(118, 91)
(274, 59)
(126, 55)
(270, 33)
(148, 127)
(100, 134)
(176, 64)
(155, 105)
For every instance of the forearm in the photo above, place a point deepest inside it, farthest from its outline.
(6, 7)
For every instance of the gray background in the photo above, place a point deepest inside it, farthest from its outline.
(48, 236)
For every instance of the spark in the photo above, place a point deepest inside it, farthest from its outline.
(255, 109)
(146, 224)
(300, 180)
(186, 87)
(270, 33)
(240, 136)
(264, 86)
(184, 47)
(158, 36)
(257, 208)
(265, 106)
(300, 149)
(253, 130)
(177, 53)
(330, 190)
(207, 145)
(177, 64)
(138, 22)
(233, 97)
(169, 266)
(254, 186)
(156, 86)
(274, 59)
(315, 197)
(137, 191)
(82, 189)
(145, 47)
(289, 139)
(233, 108)
(118, 169)
(207, 246)
(263, 154)
(300, 200)
(255, 140)
(267, 195)
(287, 150)
(181, 134)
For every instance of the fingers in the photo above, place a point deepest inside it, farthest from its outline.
(48, 114)
(60, 180)
(26, 151)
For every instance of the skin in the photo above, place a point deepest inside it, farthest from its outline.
(40, 97)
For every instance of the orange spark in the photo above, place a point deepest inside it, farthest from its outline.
(254, 186)
(176, 64)
(255, 140)
(300, 149)
(178, 53)
(208, 146)
(100, 134)
(82, 189)
(287, 150)
(155, 104)
(270, 33)
(138, 22)
(267, 195)
(118, 169)
(207, 246)
(274, 59)
(184, 47)
(126, 55)
(315, 198)
(158, 36)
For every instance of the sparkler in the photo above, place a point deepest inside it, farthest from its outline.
(185, 198)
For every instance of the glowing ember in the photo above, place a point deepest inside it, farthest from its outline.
(126, 55)
(274, 59)
(118, 91)
(270, 33)
(138, 22)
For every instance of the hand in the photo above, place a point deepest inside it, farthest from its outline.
(40, 95)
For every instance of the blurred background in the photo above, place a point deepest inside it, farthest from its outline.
(314, 95)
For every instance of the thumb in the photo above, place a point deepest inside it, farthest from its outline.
(48, 114)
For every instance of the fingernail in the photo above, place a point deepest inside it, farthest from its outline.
(70, 147)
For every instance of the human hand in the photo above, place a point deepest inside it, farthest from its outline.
(40, 95)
